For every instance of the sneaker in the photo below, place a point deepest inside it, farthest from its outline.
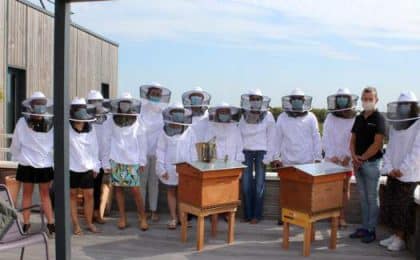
(51, 229)
(386, 242)
(370, 237)
(397, 245)
(359, 233)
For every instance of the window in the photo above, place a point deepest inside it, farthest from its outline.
(105, 90)
(15, 94)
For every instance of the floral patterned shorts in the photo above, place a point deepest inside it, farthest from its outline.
(124, 175)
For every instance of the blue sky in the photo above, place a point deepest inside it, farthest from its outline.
(228, 47)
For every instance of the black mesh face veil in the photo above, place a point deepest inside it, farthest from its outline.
(401, 115)
(176, 120)
(155, 93)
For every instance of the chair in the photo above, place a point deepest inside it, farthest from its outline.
(14, 237)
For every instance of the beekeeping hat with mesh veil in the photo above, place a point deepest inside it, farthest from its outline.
(176, 119)
(403, 112)
(196, 100)
(224, 113)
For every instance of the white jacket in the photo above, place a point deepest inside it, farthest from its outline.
(228, 140)
(84, 151)
(298, 139)
(403, 153)
(101, 132)
(336, 137)
(152, 118)
(200, 126)
(260, 137)
(126, 145)
(30, 148)
(174, 149)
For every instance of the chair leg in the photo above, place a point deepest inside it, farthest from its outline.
(47, 253)
(22, 251)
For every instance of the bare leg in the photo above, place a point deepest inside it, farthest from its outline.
(106, 190)
(44, 191)
(28, 189)
(138, 199)
(74, 219)
(88, 208)
(119, 195)
(172, 203)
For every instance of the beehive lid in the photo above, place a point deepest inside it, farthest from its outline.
(321, 169)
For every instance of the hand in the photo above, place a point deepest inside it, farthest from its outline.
(346, 161)
(141, 169)
(165, 176)
(276, 164)
(335, 160)
(396, 173)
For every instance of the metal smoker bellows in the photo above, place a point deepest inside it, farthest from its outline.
(206, 151)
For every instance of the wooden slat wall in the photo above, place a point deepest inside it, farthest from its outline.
(17, 34)
(39, 70)
(3, 62)
(73, 63)
(89, 68)
(110, 67)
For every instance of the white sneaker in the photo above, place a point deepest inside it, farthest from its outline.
(388, 241)
(397, 245)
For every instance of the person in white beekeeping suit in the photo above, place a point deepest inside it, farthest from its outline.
(126, 155)
(176, 144)
(101, 189)
(337, 135)
(223, 126)
(84, 162)
(198, 101)
(257, 127)
(154, 99)
(298, 139)
(32, 147)
(401, 163)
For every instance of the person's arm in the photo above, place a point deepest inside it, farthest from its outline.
(412, 160)
(239, 148)
(142, 142)
(95, 151)
(106, 152)
(160, 156)
(278, 143)
(16, 144)
(271, 137)
(378, 141)
(316, 137)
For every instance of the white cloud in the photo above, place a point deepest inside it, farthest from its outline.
(262, 25)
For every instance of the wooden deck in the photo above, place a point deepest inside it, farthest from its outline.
(262, 241)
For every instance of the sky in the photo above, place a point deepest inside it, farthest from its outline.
(229, 47)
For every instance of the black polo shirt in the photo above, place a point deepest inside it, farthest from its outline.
(365, 130)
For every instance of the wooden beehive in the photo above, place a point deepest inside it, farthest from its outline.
(209, 188)
(311, 193)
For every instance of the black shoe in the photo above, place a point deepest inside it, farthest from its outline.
(26, 228)
(51, 229)
(359, 233)
(280, 222)
(370, 237)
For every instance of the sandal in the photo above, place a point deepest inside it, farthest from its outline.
(77, 231)
(155, 217)
(172, 224)
(92, 228)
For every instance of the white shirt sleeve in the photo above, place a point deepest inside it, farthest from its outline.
(316, 139)
(95, 150)
(412, 160)
(193, 149)
(107, 136)
(16, 142)
(387, 165)
(142, 142)
(327, 143)
(271, 136)
(160, 156)
(279, 138)
(239, 148)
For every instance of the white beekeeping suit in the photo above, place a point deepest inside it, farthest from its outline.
(154, 99)
(198, 101)
(337, 126)
(257, 125)
(403, 149)
(176, 143)
(224, 127)
(298, 138)
(83, 145)
(127, 141)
